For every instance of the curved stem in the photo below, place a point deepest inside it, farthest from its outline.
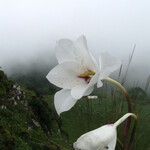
(123, 118)
(126, 131)
(123, 90)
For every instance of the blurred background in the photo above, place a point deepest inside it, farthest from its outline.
(29, 30)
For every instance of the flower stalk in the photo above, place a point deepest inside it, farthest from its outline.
(129, 103)
(123, 90)
(122, 119)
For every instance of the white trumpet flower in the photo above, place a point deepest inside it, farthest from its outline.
(103, 138)
(77, 72)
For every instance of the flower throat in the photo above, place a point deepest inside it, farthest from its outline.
(87, 75)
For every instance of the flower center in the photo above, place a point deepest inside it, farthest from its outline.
(87, 75)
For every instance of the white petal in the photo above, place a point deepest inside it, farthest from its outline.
(100, 78)
(112, 144)
(99, 83)
(63, 101)
(84, 89)
(85, 57)
(108, 64)
(89, 91)
(94, 79)
(94, 64)
(65, 75)
(79, 91)
(97, 139)
(81, 43)
(65, 50)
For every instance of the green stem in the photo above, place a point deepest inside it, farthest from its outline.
(123, 90)
(126, 131)
(132, 138)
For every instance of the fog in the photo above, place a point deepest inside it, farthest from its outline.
(29, 30)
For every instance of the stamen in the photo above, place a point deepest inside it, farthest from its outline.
(87, 75)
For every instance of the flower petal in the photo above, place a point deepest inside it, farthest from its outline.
(81, 43)
(94, 79)
(87, 59)
(65, 51)
(65, 75)
(84, 89)
(98, 139)
(63, 101)
(108, 64)
(99, 83)
(79, 91)
(112, 144)
(89, 91)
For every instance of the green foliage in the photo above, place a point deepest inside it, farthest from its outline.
(42, 112)
(34, 124)
(5, 84)
(25, 125)
(2, 90)
(35, 81)
(3, 77)
(138, 94)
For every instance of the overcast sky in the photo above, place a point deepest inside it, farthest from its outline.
(32, 27)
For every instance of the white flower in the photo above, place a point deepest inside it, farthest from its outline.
(77, 72)
(103, 138)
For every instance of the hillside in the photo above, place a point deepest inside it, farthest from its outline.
(25, 119)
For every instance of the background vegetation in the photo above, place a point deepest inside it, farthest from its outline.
(28, 119)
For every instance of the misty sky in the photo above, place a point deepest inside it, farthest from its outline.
(29, 29)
